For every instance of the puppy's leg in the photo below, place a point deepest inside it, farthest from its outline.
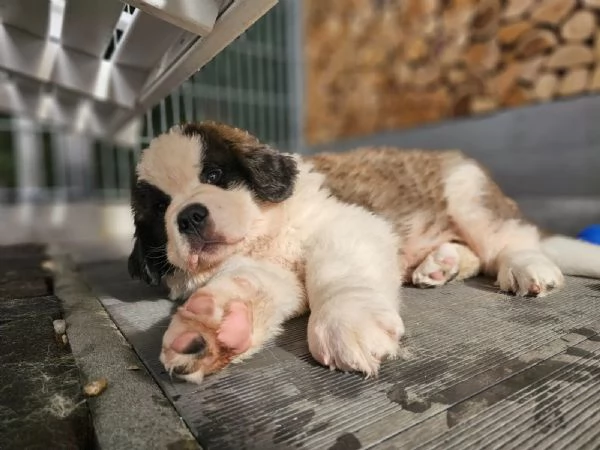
(493, 227)
(353, 282)
(450, 261)
(230, 317)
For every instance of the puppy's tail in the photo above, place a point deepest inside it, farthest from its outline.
(572, 256)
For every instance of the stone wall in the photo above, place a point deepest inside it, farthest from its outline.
(374, 65)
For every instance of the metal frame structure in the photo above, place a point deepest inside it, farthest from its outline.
(94, 66)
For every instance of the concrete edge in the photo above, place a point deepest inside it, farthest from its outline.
(132, 412)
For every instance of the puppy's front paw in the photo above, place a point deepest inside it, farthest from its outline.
(354, 339)
(205, 334)
(528, 273)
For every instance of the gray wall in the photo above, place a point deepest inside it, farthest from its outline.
(548, 150)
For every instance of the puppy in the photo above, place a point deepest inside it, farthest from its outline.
(252, 237)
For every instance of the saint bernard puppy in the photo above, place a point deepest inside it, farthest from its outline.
(251, 237)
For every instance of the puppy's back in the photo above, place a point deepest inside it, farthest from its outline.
(387, 180)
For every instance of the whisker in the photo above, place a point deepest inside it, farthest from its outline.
(157, 250)
(157, 247)
(156, 257)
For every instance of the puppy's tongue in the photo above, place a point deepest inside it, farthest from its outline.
(193, 261)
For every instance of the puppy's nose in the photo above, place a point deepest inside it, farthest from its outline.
(192, 219)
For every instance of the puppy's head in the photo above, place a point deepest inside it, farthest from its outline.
(201, 193)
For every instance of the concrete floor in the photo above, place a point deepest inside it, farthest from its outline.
(132, 413)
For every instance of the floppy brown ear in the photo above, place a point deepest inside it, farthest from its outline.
(271, 174)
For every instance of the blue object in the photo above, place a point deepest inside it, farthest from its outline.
(591, 234)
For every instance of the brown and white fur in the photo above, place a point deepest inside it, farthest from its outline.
(252, 237)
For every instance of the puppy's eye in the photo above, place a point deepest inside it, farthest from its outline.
(213, 176)
(160, 207)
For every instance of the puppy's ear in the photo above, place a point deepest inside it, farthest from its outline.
(138, 266)
(272, 174)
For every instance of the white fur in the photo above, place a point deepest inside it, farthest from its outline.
(528, 272)
(171, 162)
(464, 186)
(574, 257)
(352, 281)
(510, 249)
(272, 292)
(352, 276)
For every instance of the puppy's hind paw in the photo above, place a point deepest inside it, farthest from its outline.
(529, 273)
(440, 267)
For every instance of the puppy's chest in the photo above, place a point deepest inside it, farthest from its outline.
(284, 250)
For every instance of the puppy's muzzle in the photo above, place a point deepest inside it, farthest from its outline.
(192, 220)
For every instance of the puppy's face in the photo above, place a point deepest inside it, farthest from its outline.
(201, 195)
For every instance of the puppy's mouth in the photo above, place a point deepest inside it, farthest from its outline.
(205, 248)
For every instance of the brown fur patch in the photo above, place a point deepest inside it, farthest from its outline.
(407, 188)
(399, 185)
(242, 140)
(497, 202)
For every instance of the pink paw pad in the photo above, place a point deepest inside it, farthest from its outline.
(201, 304)
(188, 343)
(236, 329)
(437, 275)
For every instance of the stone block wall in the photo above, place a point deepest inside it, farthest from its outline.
(375, 65)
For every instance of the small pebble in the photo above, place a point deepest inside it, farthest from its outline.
(48, 265)
(133, 367)
(60, 326)
(96, 387)
(65, 339)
